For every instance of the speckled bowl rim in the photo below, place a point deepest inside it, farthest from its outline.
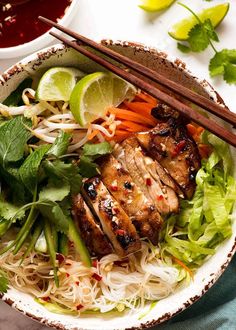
(218, 271)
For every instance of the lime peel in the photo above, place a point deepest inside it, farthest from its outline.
(95, 93)
(57, 84)
(156, 5)
(216, 14)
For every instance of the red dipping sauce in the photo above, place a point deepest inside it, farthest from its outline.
(19, 23)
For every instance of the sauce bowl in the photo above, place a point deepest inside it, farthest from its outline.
(43, 40)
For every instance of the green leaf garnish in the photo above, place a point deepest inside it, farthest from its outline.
(30, 168)
(224, 63)
(3, 282)
(15, 98)
(96, 150)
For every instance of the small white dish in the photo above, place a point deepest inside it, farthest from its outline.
(42, 41)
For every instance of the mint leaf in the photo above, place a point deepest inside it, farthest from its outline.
(3, 282)
(60, 145)
(224, 63)
(96, 150)
(30, 168)
(67, 173)
(13, 136)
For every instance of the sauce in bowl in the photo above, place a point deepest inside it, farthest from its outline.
(19, 24)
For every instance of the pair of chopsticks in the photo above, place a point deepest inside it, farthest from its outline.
(154, 76)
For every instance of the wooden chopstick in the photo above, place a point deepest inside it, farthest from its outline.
(186, 110)
(188, 94)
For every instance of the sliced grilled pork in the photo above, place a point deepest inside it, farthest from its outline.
(94, 238)
(144, 172)
(170, 144)
(114, 221)
(139, 208)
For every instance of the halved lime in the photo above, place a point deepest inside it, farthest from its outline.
(96, 92)
(155, 5)
(57, 84)
(216, 14)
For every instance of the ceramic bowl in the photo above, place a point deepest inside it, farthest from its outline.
(43, 40)
(206, 275)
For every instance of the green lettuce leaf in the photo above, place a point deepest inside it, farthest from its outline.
(205, 221)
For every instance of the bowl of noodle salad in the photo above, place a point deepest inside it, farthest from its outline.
(115, 212)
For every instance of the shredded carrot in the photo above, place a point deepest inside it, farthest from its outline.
(96, 131)
(191, 129)
(183, 265)
(140, 107)
(132, 127)
(131, 116)
(93, 134)
(120, 135)
(147, 98)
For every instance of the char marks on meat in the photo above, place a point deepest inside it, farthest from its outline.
(170, 144)
(145, 174)
(94, 238)
(115, 223)
(139, 208)
(139, 185)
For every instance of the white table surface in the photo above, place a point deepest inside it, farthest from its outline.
(123, 20)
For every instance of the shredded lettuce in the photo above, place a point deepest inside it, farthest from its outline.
(205, 221)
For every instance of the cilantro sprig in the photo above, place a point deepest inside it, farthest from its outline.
(201, 36)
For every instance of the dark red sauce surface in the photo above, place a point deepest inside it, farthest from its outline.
(19, 24)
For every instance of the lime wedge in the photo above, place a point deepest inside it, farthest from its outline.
(155, 5)
(96, 92)
(57, 84)
(216, 14)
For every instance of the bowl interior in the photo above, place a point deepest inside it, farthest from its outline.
(205, 277)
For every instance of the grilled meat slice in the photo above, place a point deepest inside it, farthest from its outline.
(94, 238)
(139, 208)
(170, 144)
(144, 172)
(114, 221)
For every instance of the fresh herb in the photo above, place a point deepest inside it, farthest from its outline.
(60, 146)
(9, 213)
(3, 282)
(15, 98)
(64, 172)
(55, 215)
(54, 192)
(224, 63)
(91, 152)
(96, 150)
(13, 136)
(201, 36)
(87, 167)
(30, 168)
(51, 249)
